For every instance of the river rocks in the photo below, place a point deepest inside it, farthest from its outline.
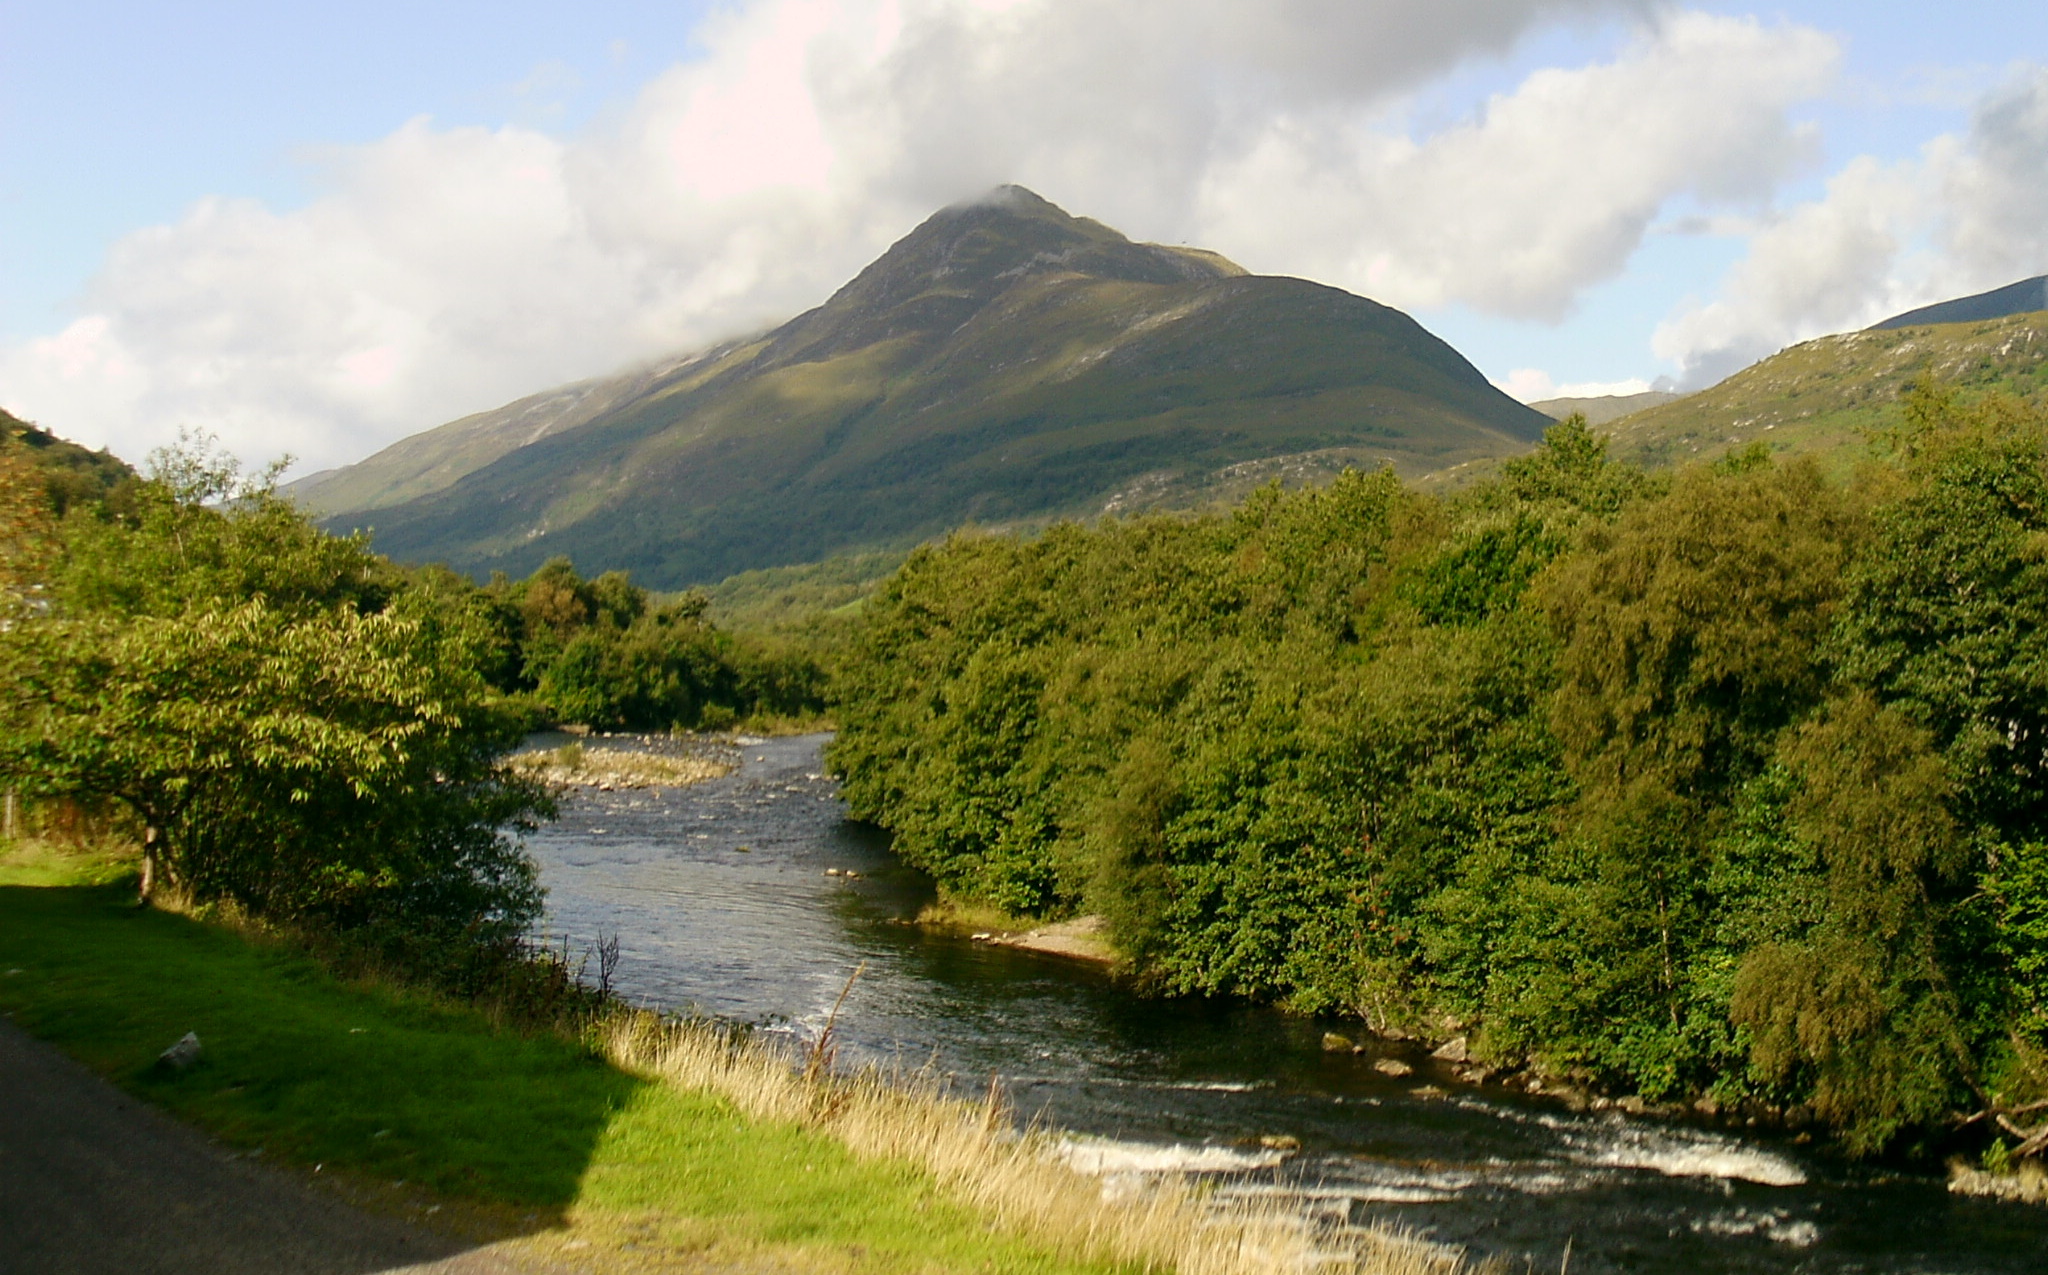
(1279, 1142)
(617, 769)
(1455, 1050)
(182, 1055)
(1393, 1067)
(1336, 1044)
(2027, 1184)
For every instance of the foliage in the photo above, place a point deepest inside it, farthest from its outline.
(809, 599)
(1723, 784)
(296, 726)
(25, 536)
(608, 654)
(69, 475)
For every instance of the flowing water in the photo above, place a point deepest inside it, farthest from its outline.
(720, 898)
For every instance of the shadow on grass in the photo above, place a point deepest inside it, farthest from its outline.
(381, 1086)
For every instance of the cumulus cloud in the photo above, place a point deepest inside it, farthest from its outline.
(1969, 213)
(446, 270)
(1551, 189)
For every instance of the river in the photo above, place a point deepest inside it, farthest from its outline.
(721, 900)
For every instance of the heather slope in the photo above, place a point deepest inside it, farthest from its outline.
(1824, 396)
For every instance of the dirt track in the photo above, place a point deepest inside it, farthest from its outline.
(93, 1182)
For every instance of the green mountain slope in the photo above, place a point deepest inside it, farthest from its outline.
(2014, 298)
(1822, 396)
(1600, 409)
(1004, 362)
(430, 461)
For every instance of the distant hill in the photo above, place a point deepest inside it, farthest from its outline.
(2024, 297)
(71, 474)
(1821, 395)
(1603, 408)
(1005, 362)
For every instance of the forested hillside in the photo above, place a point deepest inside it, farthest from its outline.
(67, 473)
(1727, 782)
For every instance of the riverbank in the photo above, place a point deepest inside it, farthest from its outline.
(639, 1147)
(1084, 938)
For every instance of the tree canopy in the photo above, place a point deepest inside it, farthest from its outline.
(1722, 783)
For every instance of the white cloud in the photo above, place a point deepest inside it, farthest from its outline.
(445, 270)
(1969, 213)
(1552, 189)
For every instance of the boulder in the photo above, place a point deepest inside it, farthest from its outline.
(1455, 1050)
(1393, 1067)
(1337, 1044)
(181, 1055)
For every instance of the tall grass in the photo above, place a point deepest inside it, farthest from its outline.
(974, 1152)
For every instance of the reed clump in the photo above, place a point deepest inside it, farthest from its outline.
(973, 1149)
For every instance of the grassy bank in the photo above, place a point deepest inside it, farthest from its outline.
(644, 1147)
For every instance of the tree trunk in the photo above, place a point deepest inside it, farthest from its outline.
(149, 867)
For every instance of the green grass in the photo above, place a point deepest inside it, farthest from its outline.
(388, 1086)
(1828, 396)
(786, 599)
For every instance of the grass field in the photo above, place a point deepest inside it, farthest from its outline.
(535, 1132)
(646, 1146)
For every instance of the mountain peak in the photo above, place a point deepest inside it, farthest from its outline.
(966, 256)
(1010, 197)
(1004, 362)
(2024, 297)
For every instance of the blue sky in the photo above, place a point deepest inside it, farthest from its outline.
(290, 223)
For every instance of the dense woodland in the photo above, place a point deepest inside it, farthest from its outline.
(295, 725)
(1727, 782)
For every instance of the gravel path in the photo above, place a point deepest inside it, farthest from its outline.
(93, 1182)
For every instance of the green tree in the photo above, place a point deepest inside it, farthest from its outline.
(1858, 1015)
(294, 727)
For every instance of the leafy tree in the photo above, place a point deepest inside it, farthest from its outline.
(25, 535)
(1857, 1013)
(605, 653)
(1724, 783)
(1948, 613)
(294, 726)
